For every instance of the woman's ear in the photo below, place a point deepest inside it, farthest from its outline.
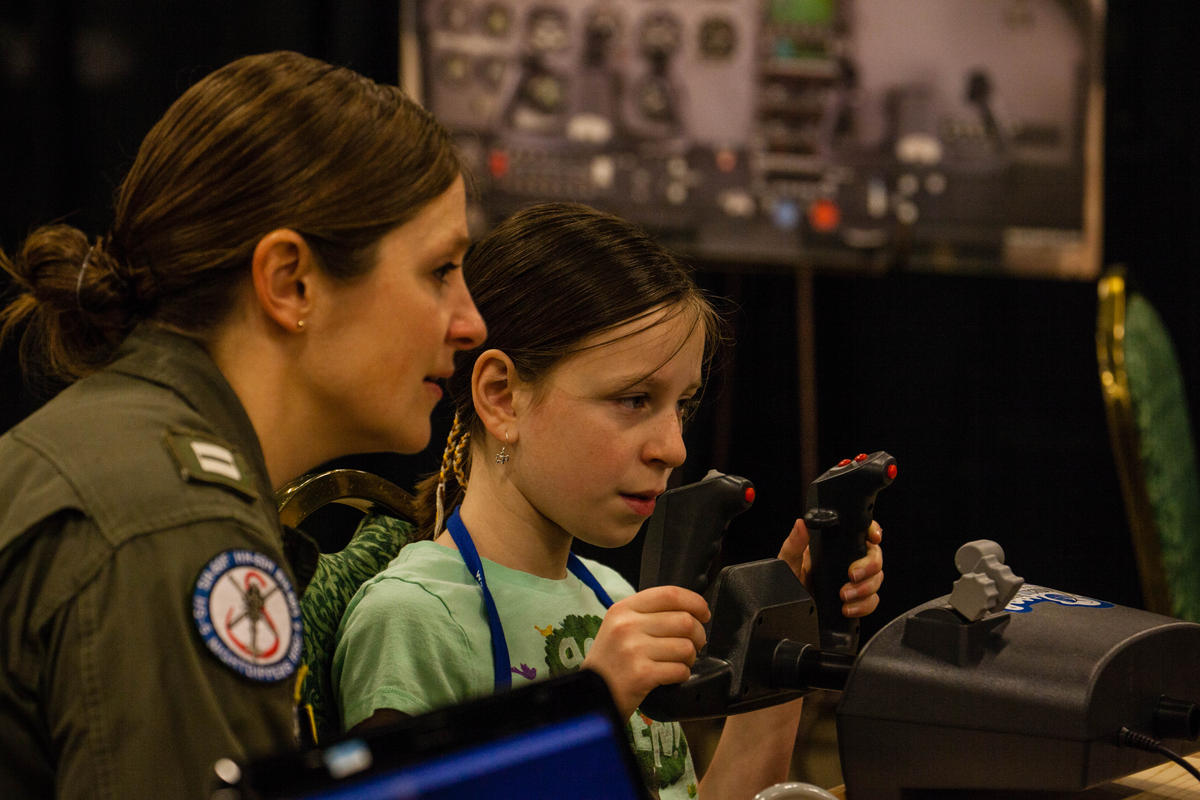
(494, 382)
(282, 268)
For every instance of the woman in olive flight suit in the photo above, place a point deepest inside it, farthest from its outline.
(281, 286)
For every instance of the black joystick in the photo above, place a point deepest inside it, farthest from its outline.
(683, 536)
(841, 503)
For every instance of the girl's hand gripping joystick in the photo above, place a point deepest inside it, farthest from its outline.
(841, 503)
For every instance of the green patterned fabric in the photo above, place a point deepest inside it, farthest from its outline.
(376, 542)
(1168, 456)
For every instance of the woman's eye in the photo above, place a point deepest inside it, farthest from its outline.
(443, 272)
(687, 407)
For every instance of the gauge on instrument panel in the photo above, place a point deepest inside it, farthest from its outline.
(497, 20)
(455, 15)
(453, 67)
(545, 92)
(654, 99)
(492, 70)
(601, 30)
(718, 38)
(660, 35)
(547, 29)
(602, 26)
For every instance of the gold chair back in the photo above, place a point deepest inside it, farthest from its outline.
(1122, 428)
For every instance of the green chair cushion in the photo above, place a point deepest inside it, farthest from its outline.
(376, 542)
(1167, 452)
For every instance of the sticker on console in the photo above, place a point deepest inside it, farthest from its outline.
(1029, 596)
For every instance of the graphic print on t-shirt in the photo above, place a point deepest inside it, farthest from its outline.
(660, 747)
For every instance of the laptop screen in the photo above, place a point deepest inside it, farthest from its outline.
(553, 739)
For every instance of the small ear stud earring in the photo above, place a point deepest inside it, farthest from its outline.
(299, 324)
(502, 456)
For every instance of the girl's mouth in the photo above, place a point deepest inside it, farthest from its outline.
(642, 504)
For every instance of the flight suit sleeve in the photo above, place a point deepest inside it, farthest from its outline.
(139, 700)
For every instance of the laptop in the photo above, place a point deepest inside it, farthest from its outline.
(561, 737)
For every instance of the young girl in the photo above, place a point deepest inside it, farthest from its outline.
(279, 287)
(568, 426)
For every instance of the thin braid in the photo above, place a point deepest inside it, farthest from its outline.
(461, 454)
(452, 459)
(448, 451)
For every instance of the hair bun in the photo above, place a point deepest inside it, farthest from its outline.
(72, 299)
(101, 285)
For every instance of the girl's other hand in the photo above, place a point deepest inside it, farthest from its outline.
(860, 596)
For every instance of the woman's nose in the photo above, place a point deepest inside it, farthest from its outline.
(467, 328)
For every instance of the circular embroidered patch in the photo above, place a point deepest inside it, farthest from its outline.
(248, 615)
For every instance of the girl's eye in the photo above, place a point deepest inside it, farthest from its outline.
(634, 402)
(687, 407)
(442, 272)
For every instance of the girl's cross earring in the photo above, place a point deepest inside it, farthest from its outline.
(502, 456)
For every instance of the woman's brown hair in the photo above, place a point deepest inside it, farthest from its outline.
(545, 279)
(270, 141)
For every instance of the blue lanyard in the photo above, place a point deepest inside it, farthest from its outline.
(501, 664)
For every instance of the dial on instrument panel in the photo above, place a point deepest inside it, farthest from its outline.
(718, 38)
(491, 71)
(455, 15)
(599, 34)
(497, 20)
(547, 29)
(603, 23)
(454, 67)
(654, 99)
(545, 92)
(660, 35)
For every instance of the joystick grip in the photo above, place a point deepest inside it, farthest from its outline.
(841, 503)
(684, 534)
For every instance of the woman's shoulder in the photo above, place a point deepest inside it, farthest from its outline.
(135, 458)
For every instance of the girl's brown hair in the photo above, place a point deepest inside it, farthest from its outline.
(544, 280)
(269, 141)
